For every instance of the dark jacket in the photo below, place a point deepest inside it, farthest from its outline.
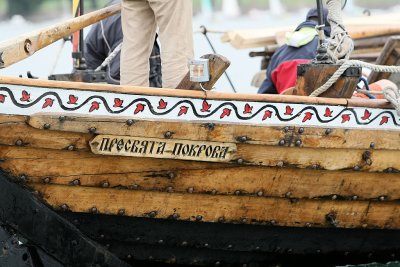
(282, 69)
(103, 38)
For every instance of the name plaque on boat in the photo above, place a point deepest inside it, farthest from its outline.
(129, 146)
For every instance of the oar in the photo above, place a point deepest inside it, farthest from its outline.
(24, 46)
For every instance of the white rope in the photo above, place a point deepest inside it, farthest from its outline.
(393, 96)
(110, 57)
(104, 35)
(352, 63)
(57, 58)
(340, 44)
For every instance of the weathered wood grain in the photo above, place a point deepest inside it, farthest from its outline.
(390, 55)
(46, 162)
(312, 76)
(329, 159)
(309, 137)
(17, 49)
(63, 162)
(217, 66)
(346, 138)
(246, 180)
(159, 129)
(15, 131)
(244, 209)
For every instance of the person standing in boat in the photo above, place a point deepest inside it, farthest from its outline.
(140, 20)
(301, 47)
(106, 37)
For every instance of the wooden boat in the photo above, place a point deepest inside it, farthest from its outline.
(113, 175)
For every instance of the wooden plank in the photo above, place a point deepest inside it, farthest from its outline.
(217, 66)
(358, 28)
(329, 159)
(15, 131)
(162, 148)
(188, 93)
(390, 55)
(11, 119)
(370, 43)
(232, 209)
(163, 129)
(307, 136)
(44, 162)
(252, 38)
(312, 76)
(19, 48)
(75, 162)
(246, 180)
(345, 138)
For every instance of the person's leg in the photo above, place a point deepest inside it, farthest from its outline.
(174, 19)
(139, 29)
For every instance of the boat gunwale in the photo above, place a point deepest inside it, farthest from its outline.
(376, 103)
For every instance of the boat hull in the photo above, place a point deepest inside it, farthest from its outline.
(154, 175)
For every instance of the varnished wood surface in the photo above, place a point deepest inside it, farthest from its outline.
(264, 135)
(231, 209)
(193, 93)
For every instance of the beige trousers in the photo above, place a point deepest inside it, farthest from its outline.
(140, 19)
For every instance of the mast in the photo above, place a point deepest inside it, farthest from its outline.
(77, 38)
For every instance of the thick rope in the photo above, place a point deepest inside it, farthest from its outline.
(390, 93)
(393, 96)
(340, 45)
(110, 57)
(352, 63)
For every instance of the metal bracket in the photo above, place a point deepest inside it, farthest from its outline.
(87, 76)
(350, 72)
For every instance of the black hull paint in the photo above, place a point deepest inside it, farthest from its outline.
(100, 240)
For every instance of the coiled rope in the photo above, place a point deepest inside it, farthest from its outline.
(340, 47)
(391, 94)
(340, 44)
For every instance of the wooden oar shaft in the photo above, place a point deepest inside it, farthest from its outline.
(21, 47)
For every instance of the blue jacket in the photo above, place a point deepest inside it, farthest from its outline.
(286, 55)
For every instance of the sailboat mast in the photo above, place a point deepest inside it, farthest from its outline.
(77, 37)
(321, 21)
